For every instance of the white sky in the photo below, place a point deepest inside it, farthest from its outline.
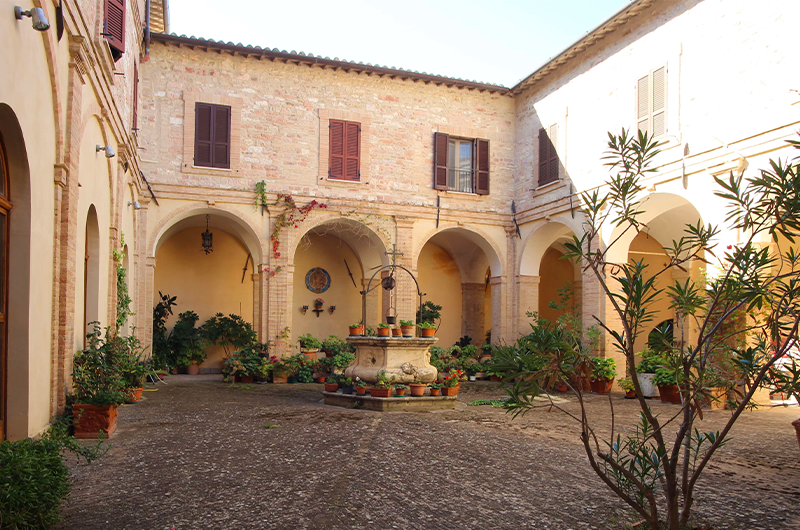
(497, 41)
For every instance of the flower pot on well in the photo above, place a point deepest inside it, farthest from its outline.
(380, 392)
(417, 390)
(90, 420)
(383, 332)
(427, 332)
(397, 332)
(399, 391)
(356, 330)
(408, 331)
(347, 389)
(331, 387)
(361, 390)
(435, 391)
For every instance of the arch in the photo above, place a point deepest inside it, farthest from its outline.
(17, 368)
(476, 236)
(91, 271)
(538, 242)
(225, 219)
(368, 244)
(665, 216)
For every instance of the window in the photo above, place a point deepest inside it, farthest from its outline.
(345, 150)
(212, 136)
(460, 164)
(651, 103)
(114, 26)
(548, 156)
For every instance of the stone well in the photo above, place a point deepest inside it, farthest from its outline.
(408, 359)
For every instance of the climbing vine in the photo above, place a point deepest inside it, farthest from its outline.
(123, 297)
(292, 215)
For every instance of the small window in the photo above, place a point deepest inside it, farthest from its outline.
(212, 136)
(345, 150)
(548, 155)
(461, 164)
(651, 103)
(114, 26)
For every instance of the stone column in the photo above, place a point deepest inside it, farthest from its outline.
(472, 311)
(281, 295)
(499, 309)
(511, 273)
(528, 302)
(406, 290)
(144, 281)
(257, 298)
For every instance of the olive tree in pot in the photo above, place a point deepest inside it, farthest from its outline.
(655, 470)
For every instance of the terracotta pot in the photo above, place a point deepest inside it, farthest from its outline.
(397, 332)
(485, 357)
(319, 379)
(134, 395)
(311, 355)
(407, 331)
(669, 394)
(602, 386)
(450, 390)
(383, 332)
(331, 387)
(91, 420)
(562, 388)
(427, 332)
(399, 391)
(193, 369)
(380, 392)
(417, 390)
(280, 379)
(435, 391)
(361, 390)
(246, 379)
(495, 379)
(630, 394)
(356, 330)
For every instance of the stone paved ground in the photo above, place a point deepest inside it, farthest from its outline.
(197, 454)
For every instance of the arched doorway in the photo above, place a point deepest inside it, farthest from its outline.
(220, 281)
(91, 273)
(5, 208)
(333, 262)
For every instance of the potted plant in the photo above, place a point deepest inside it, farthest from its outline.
(97, 386)
(627, 386)
(342, 360)
(243, 365)
(451, 383)
(309, 345)
(436, 388)
(281, 369)
(407, 328)
(332, 383)
(397, 332)
(302, 369)
(356, 329)
(666, 380)
(561, 386)
(346, 384)
(318, 303)
(604, 370)
(382, 387)
(383, 330)
(400, 389)
(427, 329)
(417, 388)
(187, 342)
(230, 332)
(646, 371)
(132, 366)
(360, 386)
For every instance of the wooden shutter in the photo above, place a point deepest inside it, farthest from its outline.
(659, 91)
(643, 104)
(202, 134)
(352, 150)
(481, 157)
(114, 24)
(221, 154)
(548, 156)
(441, 142)
(336, 150)
(135, 109)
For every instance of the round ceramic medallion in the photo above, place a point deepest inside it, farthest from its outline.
(318, 280)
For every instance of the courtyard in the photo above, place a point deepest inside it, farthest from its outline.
(200, 453)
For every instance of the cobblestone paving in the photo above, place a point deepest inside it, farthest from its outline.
(198, 453)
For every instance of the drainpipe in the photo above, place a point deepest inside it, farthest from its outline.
(146, 31)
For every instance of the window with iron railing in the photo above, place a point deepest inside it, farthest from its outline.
(461, 164)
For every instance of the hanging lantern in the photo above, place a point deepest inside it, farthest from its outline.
(207, 239)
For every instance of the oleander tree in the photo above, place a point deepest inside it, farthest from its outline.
(734, 328)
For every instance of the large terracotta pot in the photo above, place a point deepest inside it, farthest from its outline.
(417, 390)
(134, 395)
(383, 332)
(670, 394)
(427, 332)
(357, 330)
(91, 420)
(193, 369)
(602, 386)
(451, 390)
(247, 379)
(380, 392)
(331, 387)
(407, 331)
(311, 355)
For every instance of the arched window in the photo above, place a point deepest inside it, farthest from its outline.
(5, 207)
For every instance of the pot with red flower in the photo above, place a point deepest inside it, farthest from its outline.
(451, 383)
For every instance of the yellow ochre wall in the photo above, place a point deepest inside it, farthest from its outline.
(440, 279)
(645, 243)
(554, 273)
(205, 284)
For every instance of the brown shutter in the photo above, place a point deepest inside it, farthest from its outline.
(202, 134)
(222, 137)
(352, 150)
(481, 166)
(659, 90)
(135, 110)
(336, 157)
(548, 156)
(440, 162)
(114, 24)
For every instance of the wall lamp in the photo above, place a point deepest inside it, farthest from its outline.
(331, 309)
(304, 309)
(136, 205)
(107, 148)
(38, 20)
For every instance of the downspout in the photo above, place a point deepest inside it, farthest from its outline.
(146, 31)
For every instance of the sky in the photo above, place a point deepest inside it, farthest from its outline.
(493, 41)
